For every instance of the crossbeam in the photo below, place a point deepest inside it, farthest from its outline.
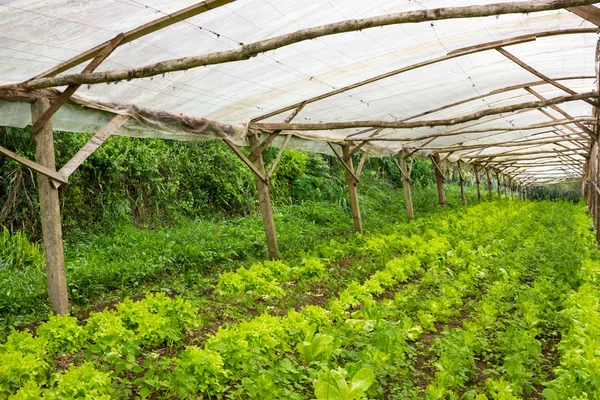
(137, 33)
(253, 49)
(537, 73)
(92, 145)
(419, 124)
(71, 89)
(563, 113)
(56, 176)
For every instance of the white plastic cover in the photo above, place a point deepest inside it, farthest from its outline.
(36, 35)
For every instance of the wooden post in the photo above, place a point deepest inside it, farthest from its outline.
(264, 199)
(512, 189)
(498, 181)
(439, 179)
(50, 212)
(462, 184)
(352, 189)
(489, 182)
(478, 182)
(406, 185)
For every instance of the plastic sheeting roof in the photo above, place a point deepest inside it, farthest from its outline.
(37, 35)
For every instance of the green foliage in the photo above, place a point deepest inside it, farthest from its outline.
(82, 382)
(332, 385)
(198, 372)
(314, 345)
(62, 334)
(21, 269)
(18, 369)
(158, 319)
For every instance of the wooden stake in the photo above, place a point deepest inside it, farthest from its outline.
(477, 181)
(352, 183)
(489, 182)
(264, 200)
(50, 213)
(462, 184)
(498, 182)
(439, 179)
(406, 185)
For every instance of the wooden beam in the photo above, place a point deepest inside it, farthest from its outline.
(352, 182)
(454, 54)
(265, 143)
(540, 75)
(346, 164)
(137, 33)
(513, 143)
(504, 154)
(489, 182)
(420, 124)
(257, 172)
(477, 181)
(250, 50)
(41, 169)
(50, 213)
(462, 184)
(71, 89)
(410, 213)
(361, 164)
(439, 179)
(279, 154)
(361, 145)
(563, 113)
(264, 200)
(492, 93)
(589, 13)
(92, 145)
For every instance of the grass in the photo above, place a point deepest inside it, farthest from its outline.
(109, 262)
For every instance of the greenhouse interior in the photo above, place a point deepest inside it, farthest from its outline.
(275, 199)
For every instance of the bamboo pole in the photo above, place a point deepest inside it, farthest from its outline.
(352, 183)
(264, 199)
(50, 212)
(439, 179)
(406, 185)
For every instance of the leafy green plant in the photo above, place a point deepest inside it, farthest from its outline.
(158, 319)
(314, 345)
(82, 382)
(62, 334)
(198, 372)
(332, 384)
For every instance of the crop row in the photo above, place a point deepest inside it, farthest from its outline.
(452, 271)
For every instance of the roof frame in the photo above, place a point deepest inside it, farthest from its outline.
(252, 49)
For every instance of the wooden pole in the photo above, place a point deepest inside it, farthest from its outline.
(512, 189)
(477, 181)
(439, 179)
(50, 212)
(264, 199)
(352, 188)
(406, 185)
(489, 182)
(498, 182)
(462, 184)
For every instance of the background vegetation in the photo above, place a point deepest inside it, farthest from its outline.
(145, 211)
